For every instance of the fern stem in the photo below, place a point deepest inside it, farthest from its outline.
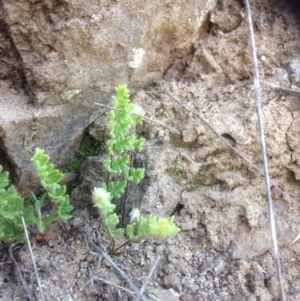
(114, 250)
(125, 196)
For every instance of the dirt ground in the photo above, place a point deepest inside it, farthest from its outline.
(224, 249)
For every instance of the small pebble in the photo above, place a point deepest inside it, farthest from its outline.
(173, 281)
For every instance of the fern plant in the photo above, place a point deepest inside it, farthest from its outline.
(12, 204)
(122, 120)
(11, 211)
(50, 179)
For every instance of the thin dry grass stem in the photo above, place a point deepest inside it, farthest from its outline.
(119, 271)
(228, 144)
(94, 278)
(154, 298)
(138, 297)
(33, 262)
(146, 118)
(97, 237)
(125, 196)
(116, 249)
(19, 273)
(264, 151)
(277, 87)
(296, 239)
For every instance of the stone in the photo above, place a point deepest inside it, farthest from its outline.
(80, 253)
(163, 294)
(56, 129)
(78, 45)
(220, 266)
(173, 281)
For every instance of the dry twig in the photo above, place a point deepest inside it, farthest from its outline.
(119, 271)
(138, 297)
(274, 86)
(19, 273)
(33, 262)
(93, 278)
(146, 118)
(264, 151)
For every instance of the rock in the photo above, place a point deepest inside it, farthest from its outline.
(163, 294)
(220, 266)
(92, 175)
(78, 45)
(56, 129)
(69, 178)
(81, 253)
(173, 281)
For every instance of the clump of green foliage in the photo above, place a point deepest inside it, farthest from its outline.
(55, 192)
(122, 122)
(12, 204)
(151, 227)
(89, 147)
(123, 119)
(11, 211)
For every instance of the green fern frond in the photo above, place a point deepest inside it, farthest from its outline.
(117, 188)
(123, 118)
(138, 144)
(102, 200)
(136, 175)
(11, 210)
(152, 227)
(120, 163)
(122, 91)
(50, 179)
(124, 144)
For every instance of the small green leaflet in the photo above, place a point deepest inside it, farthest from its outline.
(116, 188)
(119, 163)
(136, 175)
(124, 144)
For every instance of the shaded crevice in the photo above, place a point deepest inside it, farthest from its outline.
(11, 63)
(229, 139)
(6, 163)
(291, 177)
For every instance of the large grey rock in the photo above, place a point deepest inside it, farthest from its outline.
(56, 129)
(81, 44)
